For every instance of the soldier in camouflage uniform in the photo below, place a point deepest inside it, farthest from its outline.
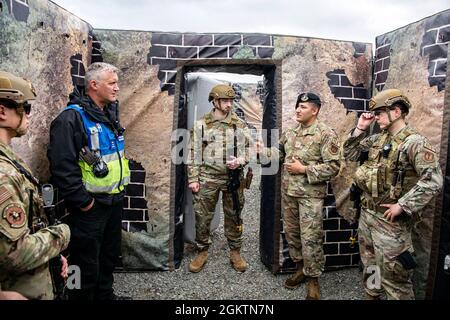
(212, 159)
(310, 153)
(400, 177)
(24, 254)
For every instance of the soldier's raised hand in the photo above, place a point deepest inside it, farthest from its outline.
(365, 120)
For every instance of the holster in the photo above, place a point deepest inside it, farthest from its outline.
(406, 260)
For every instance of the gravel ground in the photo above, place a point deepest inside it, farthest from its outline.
(218, 280)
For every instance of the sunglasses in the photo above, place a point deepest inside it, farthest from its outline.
(378, 112)
(26, 107)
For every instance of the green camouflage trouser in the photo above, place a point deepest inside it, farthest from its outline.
(302, 219)
(380, 242)
(204, 206)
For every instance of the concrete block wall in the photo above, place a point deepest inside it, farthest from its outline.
(168, 48)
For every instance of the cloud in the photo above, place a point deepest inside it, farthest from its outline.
(344, 20)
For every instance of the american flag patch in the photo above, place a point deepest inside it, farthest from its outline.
(4, 194)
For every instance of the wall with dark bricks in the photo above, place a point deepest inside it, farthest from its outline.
(435, 45)
(168, 48)
(135, 208)
(353, 97)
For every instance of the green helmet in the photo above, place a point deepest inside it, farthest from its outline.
(15, 88)
(221, 91)
(387, 98)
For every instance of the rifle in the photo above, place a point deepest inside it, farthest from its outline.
(234, 184)
(355, 196)
(55, 264)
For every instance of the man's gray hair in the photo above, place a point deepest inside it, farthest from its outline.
(95, 71)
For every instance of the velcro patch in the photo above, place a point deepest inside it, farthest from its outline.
(334, 149)
(15, 215)
(428, 156)
(4, 194)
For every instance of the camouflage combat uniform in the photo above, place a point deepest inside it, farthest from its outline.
(212, 144)
(317, 147)
(381, 241)
(24, 256)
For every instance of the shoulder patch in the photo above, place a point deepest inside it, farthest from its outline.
(15, 215)
(4, 194)
(334, 149)
(428, 156)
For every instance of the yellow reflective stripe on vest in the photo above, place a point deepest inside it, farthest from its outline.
(109, 184)
(100, 189)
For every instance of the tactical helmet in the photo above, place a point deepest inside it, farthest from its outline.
(387, 98)
(221, 91)
(15, 88)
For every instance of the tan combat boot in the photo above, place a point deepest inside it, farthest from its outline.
(236, 260)
(296, 279)
(199, 261)
(370, 297)
(312, 286)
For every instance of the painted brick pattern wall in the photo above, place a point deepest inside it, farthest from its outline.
(19, 9)
(77, 70)
(96, 54)
(168, 48)
(382, 61)
(360, 49)
(338, 248)
(353, 97)
(434, 45)
(135, 209)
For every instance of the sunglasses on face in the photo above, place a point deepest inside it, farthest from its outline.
(26, 107)
(380, 111)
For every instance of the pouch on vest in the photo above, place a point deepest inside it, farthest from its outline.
(99, 167)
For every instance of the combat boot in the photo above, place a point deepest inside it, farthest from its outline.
(312, 286)
(370, 297)
(199, 261)
(236, 261)
(296, 279)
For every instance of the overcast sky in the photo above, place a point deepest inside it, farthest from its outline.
(360, 20)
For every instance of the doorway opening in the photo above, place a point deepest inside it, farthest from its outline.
(258, 103)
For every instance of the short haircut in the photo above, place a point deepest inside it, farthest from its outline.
(403, 108)
(95, 71)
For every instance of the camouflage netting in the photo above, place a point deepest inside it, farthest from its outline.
(43, 42)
